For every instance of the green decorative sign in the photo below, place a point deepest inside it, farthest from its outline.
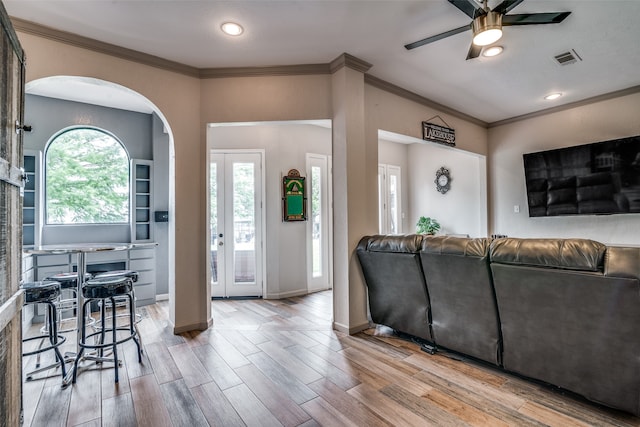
(294, 202)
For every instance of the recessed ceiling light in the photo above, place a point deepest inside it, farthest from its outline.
(232, 29)
(492, 51)
(553, 96)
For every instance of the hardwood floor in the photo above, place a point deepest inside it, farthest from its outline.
(279, 363)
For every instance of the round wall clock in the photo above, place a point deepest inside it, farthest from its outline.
(443, 180)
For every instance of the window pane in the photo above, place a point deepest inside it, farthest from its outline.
(213, 219)
(393, 204)
(244, 223)
(316, 217)
(86, 179)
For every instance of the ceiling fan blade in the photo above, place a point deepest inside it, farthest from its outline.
(469, 7)
(506, 6)
(474, 51)
(437, 37)
(535, 18)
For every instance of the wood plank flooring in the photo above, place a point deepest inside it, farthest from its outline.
(279, 363)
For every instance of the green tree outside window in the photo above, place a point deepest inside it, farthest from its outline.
(86, 178)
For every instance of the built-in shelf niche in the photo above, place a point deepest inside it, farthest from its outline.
(142, 201)
(30, 219)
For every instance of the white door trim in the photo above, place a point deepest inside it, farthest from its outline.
(263, 218)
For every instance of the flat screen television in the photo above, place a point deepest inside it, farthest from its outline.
(591, 179)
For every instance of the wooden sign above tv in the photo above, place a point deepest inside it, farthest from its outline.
(440, 134)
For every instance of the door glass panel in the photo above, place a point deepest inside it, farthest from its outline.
(244, 223)
(316, 217)
(382, 196)
(213, 212)
(393, 204)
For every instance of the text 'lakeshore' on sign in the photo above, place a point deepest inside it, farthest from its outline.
(439, 134)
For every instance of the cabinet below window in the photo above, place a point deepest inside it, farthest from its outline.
(141, 260)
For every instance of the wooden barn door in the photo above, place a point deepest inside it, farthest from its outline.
(11, 184)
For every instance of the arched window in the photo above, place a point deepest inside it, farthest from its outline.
(86, 178)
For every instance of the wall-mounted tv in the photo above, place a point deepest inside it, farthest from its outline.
(592, 179)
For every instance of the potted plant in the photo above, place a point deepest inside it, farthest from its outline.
(426, 225)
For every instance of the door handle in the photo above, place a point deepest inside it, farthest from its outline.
(220, 243)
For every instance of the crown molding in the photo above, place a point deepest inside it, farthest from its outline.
(8, 28)
(284, 70)
(344, 60)
(102, 47)
(403, 93)
(599, 98)
(349, 61)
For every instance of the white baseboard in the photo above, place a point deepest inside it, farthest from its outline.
(350, 330)
(200, 326)
(287, 294)
(162, 297)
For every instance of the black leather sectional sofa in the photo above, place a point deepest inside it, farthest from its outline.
(563, 311)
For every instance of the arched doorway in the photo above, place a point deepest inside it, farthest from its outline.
(62, 101)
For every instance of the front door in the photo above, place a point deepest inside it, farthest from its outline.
(235, 223)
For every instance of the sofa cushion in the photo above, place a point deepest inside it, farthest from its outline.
(395, 283)
(622, 262)
(404, 244)
(570, 254)
(463, 307)
(455, 246)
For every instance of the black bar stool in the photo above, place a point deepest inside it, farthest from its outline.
(105, 289)
(45, 292)
(131, 274)
(68, 283)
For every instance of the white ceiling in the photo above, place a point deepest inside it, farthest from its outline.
(605, 33)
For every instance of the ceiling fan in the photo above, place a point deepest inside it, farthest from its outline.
(487, 23)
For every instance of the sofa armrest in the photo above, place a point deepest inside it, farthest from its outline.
(622, 262)
(410, 243)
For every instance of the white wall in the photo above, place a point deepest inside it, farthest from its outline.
(600, 121)
(285, 148)
(462, 210)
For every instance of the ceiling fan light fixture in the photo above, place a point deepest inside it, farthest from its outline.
(492, 51)
(487, 29)
(231, 28)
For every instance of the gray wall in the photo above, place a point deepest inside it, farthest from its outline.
(48, 116)
(161, 202)
(143, 137)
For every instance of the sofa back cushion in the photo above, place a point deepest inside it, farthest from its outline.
(463, 307)
(570, 254)
(395, 282)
